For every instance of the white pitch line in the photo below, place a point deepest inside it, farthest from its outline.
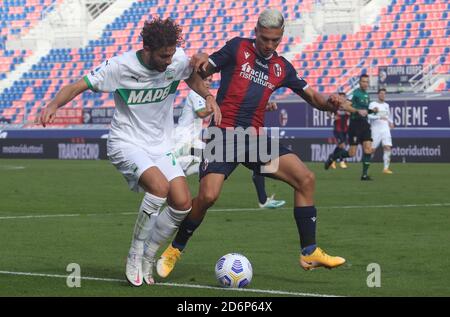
(11, 167)
(244, 290)
(388, 206)
(229, 209)
(39, 216)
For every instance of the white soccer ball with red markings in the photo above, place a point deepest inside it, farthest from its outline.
(234, 270)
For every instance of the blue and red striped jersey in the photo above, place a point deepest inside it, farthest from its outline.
(341, 121)
(248, 80)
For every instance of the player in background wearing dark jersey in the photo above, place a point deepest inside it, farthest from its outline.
(340, 131)
(251, 71)
(359, 129)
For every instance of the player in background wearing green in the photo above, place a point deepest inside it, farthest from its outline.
(359, 129)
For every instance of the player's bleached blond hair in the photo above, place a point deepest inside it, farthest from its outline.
(271, 19)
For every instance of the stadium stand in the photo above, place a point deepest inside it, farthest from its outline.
(407, 32)
(17, 18)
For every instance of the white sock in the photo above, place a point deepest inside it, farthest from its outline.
(146, 219)
(165, 227)
(386, 159)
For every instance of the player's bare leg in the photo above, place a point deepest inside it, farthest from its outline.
(352, 150)
(209, 191)
(156, 186)
(294, 172)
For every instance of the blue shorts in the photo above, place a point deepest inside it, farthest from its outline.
(247, 155)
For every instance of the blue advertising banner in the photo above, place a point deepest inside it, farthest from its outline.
(62, 149)
(397, 74)
(406, 114)
(403, 150)
(288, 115)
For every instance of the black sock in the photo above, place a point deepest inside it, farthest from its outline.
(305, 217)
(258, 180)
(185, 232)
(366, 163)
(336, 153)
(344, 154)
(340, 154)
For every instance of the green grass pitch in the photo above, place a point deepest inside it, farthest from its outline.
(400, 222)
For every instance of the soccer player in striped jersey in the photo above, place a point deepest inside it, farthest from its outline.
(251, 71)
(340, 130)
(188, 139)
(140, 145)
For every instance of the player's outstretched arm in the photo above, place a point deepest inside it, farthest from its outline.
(196, 83)
(203, 113)
(372, 113)
(319, 101)
(347, 106)
(332, 103)
(66, 94)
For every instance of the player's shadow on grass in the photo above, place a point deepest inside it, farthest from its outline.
(113, 273)
(183, 274)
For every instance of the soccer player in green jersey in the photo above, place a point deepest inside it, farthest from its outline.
(359, 128)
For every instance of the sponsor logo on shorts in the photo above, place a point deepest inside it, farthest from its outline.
(205, 164)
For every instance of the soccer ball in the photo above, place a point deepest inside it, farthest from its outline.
(234, 270)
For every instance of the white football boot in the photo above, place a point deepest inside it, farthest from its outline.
(147, 270)
(133, 270)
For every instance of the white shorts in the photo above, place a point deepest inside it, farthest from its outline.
(381, 136)
(132, 161)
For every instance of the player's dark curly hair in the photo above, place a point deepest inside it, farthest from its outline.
(158, 33)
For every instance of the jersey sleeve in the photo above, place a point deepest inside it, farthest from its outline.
(195, 102)
(105, 77)
(183, 70)
(225, 55)
(293, 80)
(198, 103)
(373, 116)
